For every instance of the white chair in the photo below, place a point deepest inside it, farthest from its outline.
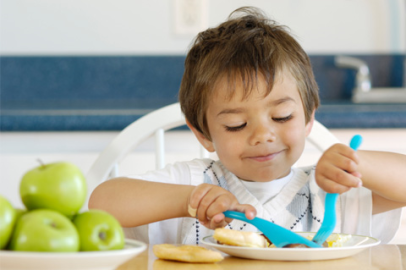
(156, 123)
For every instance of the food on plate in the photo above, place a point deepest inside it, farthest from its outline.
(337, 239)
(334, 240)
(296, 246)
(186, 253)
(240, 238)
(257, 240)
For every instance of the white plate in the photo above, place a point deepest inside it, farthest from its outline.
(353, 246)
(13, 260)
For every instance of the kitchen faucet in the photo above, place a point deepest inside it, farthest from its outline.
(362, 79)
(363, 91)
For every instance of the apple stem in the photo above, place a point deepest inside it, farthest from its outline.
(102, 235)
(41, 163)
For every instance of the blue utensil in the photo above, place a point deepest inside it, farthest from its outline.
(329, 220)
(278, 235)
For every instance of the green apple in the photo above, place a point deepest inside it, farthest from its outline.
(19, 213)
(7, 220)
(45, 230)
(60, 186)
(98, 230)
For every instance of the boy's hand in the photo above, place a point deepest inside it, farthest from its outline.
(336, 171)
(210, 201)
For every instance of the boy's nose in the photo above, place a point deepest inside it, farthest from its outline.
(262, 134)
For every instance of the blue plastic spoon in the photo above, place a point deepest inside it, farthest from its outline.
(278, 235)
(329, 220)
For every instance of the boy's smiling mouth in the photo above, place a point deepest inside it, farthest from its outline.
(263, 158)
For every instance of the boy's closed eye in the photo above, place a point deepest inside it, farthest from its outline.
(236, 128)
(240, 127)
(282, 119)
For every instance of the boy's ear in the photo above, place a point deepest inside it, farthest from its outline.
(207, 144)
(309, 124)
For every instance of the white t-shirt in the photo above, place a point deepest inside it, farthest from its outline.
(265, 191)
(294, 202)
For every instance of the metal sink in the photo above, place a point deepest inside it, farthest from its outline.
(363, 91)
(380, 95)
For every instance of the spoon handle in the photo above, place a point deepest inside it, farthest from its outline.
(355, 142)
(329, 220)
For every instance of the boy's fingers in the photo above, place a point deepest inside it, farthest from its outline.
(344, 161)
(335, 174)
(332, 187)
(214, 223)
(211, 204)
(357, 174)
(345, 150)
(351, 154)
(220, 204)
(348, 181)
(249, 210)
(208, 204)
(197, 194)
(218, 221)
(228, 220)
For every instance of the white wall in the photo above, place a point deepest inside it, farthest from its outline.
(131, 27)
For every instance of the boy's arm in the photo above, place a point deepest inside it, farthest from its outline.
(137, 202)
(384, 173)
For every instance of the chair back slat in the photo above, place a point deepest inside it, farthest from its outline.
(159, 148)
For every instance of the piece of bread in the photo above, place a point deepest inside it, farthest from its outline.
(240, 238)
(174, 265)
(186, 253)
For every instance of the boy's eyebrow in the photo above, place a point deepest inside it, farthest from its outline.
(281, 100)
(273, 103)
(230, 111)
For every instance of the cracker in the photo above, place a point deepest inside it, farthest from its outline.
(186, 253)
(173, 265)
(240, 238)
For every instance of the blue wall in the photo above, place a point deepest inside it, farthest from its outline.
(109, 92)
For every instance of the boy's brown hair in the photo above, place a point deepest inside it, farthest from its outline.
(240, 48)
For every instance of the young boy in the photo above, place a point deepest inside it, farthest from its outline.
(249, 93)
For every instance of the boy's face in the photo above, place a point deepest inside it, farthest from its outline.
(259, 138)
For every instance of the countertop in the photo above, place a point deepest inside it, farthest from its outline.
(391, 257)
(117, 114)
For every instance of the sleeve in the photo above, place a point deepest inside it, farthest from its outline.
(357, 217)
(177, 173)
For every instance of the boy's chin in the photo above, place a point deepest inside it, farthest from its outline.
(266, 177)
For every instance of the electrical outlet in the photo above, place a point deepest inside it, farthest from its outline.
(190, 16)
